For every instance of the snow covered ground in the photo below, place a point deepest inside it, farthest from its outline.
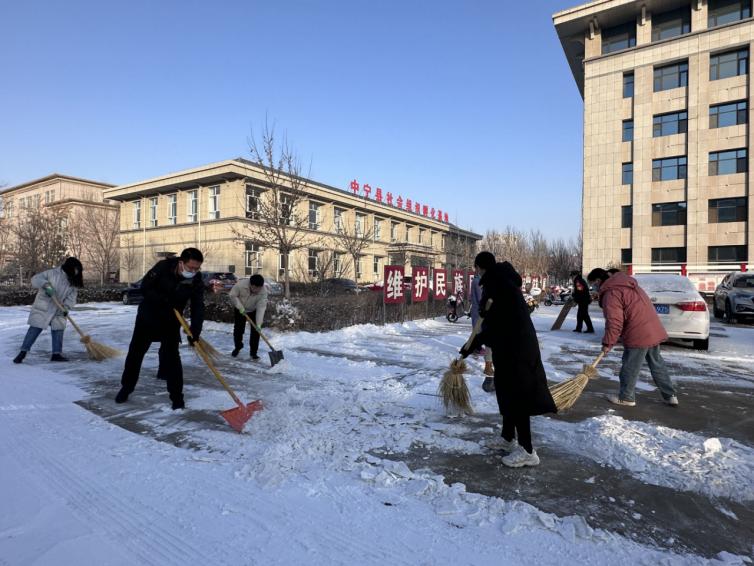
(317, 476)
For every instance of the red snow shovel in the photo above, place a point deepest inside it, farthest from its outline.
(237, 417)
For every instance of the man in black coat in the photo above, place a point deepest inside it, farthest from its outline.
(520, 380)
(169, 285)
(582, 297)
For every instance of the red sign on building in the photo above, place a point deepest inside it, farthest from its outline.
(441, 284)
(420, 287)
(458, 276)
(393, 285)
(470, 279)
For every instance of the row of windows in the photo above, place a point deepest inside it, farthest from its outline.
(672, 168)
(674, 213)
(675, 23)
(715, 254)
(675, 75)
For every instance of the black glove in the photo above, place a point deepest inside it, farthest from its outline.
(464, 352)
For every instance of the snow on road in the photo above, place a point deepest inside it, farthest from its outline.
(303, 483)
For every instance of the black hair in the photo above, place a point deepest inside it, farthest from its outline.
(74, 270)
(256, 280)
(192, 253)
(613, 271)
(484, 260)
(597, 273)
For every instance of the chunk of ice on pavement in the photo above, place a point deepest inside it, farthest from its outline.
(712, 445)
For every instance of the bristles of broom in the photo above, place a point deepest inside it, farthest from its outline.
(97, 351)
(453, 389)
(567, 392)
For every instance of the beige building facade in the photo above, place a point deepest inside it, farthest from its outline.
(667, 150)
(216, 208)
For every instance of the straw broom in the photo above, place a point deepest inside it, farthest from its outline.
(567, 392)
(96, 351)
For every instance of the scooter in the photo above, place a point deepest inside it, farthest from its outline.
(557, 298)
(456, 308)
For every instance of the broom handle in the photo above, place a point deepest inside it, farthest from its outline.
(598, 359)
(259, 331)
(68, 316)
(198, 347)
(477, 326)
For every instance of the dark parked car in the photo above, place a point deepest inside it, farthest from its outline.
(133, 295)
(734, 297)
(218, 281)
(340, 286)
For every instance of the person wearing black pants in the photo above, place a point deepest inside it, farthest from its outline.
(249, 297)
(583, 298)
(239, 327)
(520, 380)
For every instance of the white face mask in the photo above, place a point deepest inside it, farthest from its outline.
(188, 274)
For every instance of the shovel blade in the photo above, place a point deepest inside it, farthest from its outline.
(275, 356)
(237, 417)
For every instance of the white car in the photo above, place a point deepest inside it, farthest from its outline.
(682, 310)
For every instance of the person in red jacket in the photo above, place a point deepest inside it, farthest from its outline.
(630, 315)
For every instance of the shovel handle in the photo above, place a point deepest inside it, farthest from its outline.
(200, 349)
(259, 331)
(62, 308)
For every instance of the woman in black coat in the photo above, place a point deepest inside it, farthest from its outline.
(520, 380)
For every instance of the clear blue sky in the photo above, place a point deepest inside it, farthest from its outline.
(467, 106)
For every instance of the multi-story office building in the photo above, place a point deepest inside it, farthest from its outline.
(220, 208)
(667, 148)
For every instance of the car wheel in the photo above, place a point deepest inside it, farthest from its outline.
(729, 316)
(716, 312)
(548, 303)
(701, 344)
(125, 299)
(451, 317)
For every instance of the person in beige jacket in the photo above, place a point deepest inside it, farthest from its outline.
(249, 297)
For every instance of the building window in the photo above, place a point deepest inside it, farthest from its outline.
(421, 235)
(626, 216)
(671, 24)
(313, 263)
(9, 209)
(338, 263)
(668, 255)
(252, 258)
(214, 202)
(727, 254)
(669, 124)
(360, 225)
(628, 130)
(377, 229)
(721, 12)
(628, 85)
(409, 229)
(393, 232)
(359, 269)
(730, 64)
(192, 205)
(669, 214)
(728, 210)
(286, 209)
(376, 266)
(37, 200)
(282, 264)
(627, 176)
(626, 256)
(727, 162)
(172, 209)
(314, 215)
(671, 76)
(669, 168)
(253, 198)
(730, 114)
(136, 213)
(153, 211)
(338, 220)
(49, 196)
(618, 37)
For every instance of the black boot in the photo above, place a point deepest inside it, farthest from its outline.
(235, 352)
(122, 396)
(20, 357)
(58, 358)
(179, 404)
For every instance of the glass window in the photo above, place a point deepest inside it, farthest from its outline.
(730, 64)
(671, 24)
(313, 263)
(192, 205)
(214, 202)
(282, 264)
(728, 210)
(721, 12)
(671, 76)
(377, 229)
(408, 234)
(668, 255)
(421, 236)
(252, 258)
(338, 263)
(253, 200)
(626, 216)
(730, 114)
(376, 266)
(628, 130)
(628, 85)
(669, 168)
(669, 124)
(172, 209)
(627, 177)
(728, 162)
(618, 37)
(137, 213)
(626, 256)
(669, 214)
(360, 225)
(314, 215)
(727, 254)
(153, 211)
(393, 231)
(286, 209)
(338, 220)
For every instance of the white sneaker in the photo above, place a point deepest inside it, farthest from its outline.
(615, 400)
(520, 457)
(673, 401)
(499, 443)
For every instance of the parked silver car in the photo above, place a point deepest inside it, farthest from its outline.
(734, 297)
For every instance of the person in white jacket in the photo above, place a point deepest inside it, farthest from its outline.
(249, 297)
(63, 283)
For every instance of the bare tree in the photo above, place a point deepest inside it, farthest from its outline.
(101, 227)
(41, 240)
(282, 223)
(564, 258)
(129, 255)
(353, 238)
(7, 241)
